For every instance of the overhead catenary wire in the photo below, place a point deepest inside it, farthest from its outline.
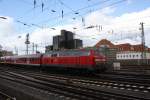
(103, 1)
(51, 28)
(41, 27)
(35, 4)
(68, 13)
(68, 7)
(96, 9)
(102, 8)
(26, 2)
(42, 5)
(36, 25)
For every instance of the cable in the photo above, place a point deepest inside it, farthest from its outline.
(25, 1)
(110, 5)
(32, 9)
(92, 5)
(68, 13)
(101, 8)
(65, 5)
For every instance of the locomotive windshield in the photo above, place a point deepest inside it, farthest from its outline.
(70, 53)
(96, 52)
(75, 53)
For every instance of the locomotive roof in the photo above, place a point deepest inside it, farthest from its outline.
(69, 52)
(63, 51)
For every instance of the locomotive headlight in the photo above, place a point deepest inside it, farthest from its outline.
(99, 60)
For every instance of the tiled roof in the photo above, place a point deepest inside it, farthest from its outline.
(104, 42)
(121, 47)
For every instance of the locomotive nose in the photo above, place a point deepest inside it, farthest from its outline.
(100, 63)
(100, 59)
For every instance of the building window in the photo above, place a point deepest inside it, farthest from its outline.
(133, 56)
(124, 56)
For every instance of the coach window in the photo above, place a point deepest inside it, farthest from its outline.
(58, 55)
(133, 56)
(124, 56)
(118, 56)
(49, 55)
(54, 55)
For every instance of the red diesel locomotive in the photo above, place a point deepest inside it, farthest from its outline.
(74, 59)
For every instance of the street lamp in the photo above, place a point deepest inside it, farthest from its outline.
(3, 17)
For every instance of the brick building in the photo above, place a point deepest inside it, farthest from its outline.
(121, 47)
(108, 49)
(104, 43)
(126, 53)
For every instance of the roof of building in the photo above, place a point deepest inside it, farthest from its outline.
(105, 42)
(121, 47)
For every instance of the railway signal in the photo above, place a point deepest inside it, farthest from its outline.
(27, 42)
(143, 41)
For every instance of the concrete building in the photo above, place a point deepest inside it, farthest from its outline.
(66, 35)
(48, 48)
(64, 41)
(57, 42)
(75, 44)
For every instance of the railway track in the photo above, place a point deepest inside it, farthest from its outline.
(4, 96)
(97, 83)
(134, 78)
(72, 91)
(87, 89)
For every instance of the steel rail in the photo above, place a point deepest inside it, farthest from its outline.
(96, 94)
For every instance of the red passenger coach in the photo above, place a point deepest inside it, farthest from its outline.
(34, 60)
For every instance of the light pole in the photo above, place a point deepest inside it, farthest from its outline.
(27, 42)
(3, 17)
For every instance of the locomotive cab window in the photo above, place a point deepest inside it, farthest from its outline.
(54, 55)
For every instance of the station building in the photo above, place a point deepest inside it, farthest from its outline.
(126, 53)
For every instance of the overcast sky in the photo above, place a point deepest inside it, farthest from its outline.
(120, 21)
